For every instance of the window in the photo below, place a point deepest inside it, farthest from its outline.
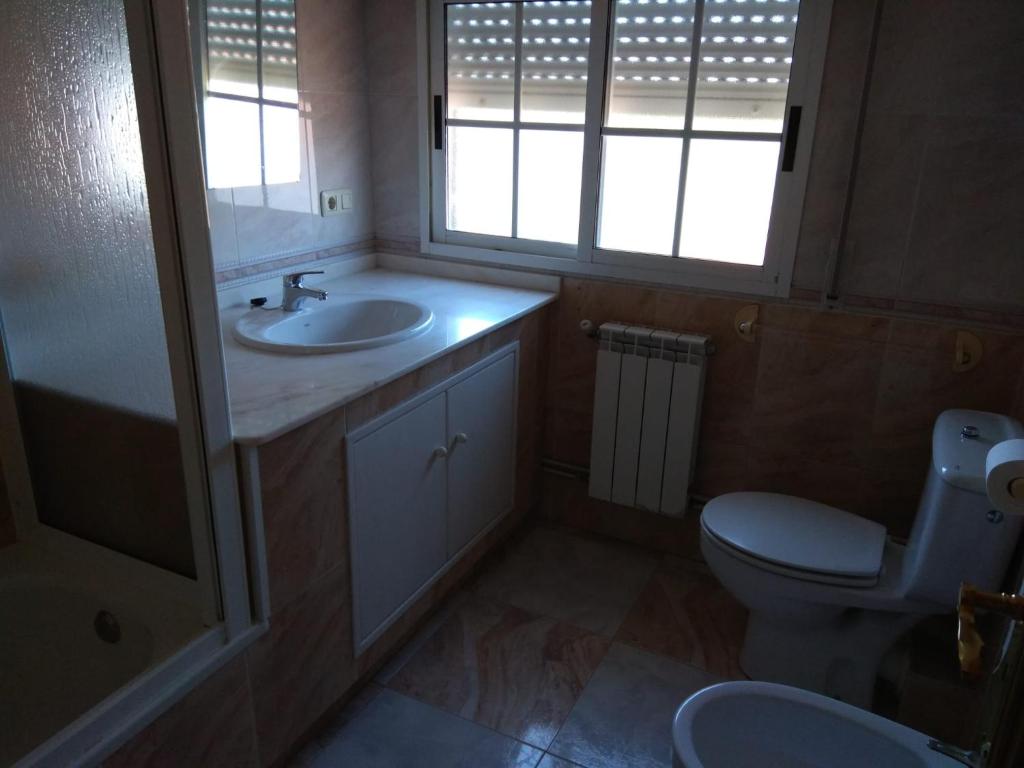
(251, 113)
(625, 136)
(517, 92)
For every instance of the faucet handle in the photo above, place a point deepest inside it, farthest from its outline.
(294, 280)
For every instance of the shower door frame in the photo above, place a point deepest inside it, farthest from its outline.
(230, 559)
(173, 161)
(13, 459)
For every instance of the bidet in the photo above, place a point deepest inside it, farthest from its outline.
(752, 725)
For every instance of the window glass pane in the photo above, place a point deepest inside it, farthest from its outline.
(639, 186)
(232, 143)
(481, 60)
(281, 144)
(480, 180)
(280, 68)
(550, 171)
(556, 42)
(728, 200)
(232, 44)
(650, 64)
(745, 57)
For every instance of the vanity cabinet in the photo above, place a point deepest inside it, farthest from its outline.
(425, 480)
(398, 510)
(481, 460)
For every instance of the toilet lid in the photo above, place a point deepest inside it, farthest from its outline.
(797, 533)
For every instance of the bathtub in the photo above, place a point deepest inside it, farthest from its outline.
(78, 622)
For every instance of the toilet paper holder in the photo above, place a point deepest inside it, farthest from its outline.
(1004, 476)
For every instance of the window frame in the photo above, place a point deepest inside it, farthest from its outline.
(773, 278)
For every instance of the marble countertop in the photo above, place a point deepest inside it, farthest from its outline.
(272, 393)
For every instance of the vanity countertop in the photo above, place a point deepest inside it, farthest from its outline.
(272, 393)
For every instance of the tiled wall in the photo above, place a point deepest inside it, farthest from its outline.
(835, 407)
(7, 534)
(391, 60)
(392, 49)
(936, 209)
(107, 475)
(262, 229)
(256, 710)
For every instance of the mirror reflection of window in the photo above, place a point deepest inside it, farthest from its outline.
(251, 113)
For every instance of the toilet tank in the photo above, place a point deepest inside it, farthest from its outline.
(957, 536)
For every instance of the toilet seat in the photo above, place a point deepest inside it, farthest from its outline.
(797, 537)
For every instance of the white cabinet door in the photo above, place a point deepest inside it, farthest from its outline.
(397, 513)
(481, 443)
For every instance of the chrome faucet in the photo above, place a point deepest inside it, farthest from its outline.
(295, 292)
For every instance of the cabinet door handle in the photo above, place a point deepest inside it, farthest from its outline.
(461, 437)
(440, 452)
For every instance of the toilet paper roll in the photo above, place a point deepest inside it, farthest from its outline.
(1004, 476)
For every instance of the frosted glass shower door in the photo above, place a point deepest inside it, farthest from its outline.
(113, 407)
(79, 297)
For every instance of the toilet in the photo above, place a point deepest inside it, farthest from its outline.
(829, 592)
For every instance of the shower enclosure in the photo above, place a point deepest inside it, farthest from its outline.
(123, 573)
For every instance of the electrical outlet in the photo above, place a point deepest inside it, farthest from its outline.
(334, 202)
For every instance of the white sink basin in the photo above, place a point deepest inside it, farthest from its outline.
(341, 324)
(751, 725)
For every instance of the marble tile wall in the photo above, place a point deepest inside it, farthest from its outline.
(391, 48)
(7, 533)
(834, 138)
(935, 215)
(256, 229)
(212, 725)
(836, 407)
(107, 475)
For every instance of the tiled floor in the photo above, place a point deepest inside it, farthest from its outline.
(567, 651)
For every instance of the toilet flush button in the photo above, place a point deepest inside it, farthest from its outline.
(969, 432)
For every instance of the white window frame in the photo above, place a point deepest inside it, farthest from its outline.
(773, 278)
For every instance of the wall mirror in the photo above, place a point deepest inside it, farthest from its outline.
(250, 120)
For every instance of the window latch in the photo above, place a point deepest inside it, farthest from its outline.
(792, 134)
(438, 123)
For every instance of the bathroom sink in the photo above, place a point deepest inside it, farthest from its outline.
(342, 324)
(753, 724)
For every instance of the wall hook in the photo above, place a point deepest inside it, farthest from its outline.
(745, 322)
(967, 353)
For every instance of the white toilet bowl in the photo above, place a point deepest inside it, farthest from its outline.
(829, 593)
(752, 725)
(818, 630)
(825, 629)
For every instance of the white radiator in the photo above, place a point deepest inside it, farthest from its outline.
(647, 400)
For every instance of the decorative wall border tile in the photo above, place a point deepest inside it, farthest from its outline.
(252, 271)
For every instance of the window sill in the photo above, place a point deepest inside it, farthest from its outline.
(625, 267)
